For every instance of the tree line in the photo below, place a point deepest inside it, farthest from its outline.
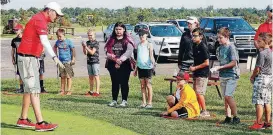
(104, 16)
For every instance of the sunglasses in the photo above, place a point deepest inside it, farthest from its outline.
(195, 36)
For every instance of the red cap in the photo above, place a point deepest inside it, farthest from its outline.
(183, 76)
(18, 27)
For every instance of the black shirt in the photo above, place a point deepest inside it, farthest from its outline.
(200, 54)
(185, 48)
(15, 44)
(91, 59)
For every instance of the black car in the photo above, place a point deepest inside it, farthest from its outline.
(242, 34)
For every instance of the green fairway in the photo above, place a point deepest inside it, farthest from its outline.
(133, 118)
(69, 124)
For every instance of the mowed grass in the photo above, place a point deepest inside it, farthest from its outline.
(71, 124)
(143, 121)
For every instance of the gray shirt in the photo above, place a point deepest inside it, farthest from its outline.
(226, 54)
(264, 61)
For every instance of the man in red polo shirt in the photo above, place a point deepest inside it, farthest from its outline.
(33, 41)
(265, 27)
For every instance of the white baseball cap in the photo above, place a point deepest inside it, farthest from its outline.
(192, 20)
(55, 6)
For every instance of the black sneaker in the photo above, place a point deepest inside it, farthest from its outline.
(227, 120)
(19, 91)
(43, 90)
(267, 125)
(235, 120)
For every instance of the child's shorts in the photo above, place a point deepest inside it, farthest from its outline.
(182, 112)
(200, 85)
(228, 85)
(262, 89)
(93, 69)
(144, 73)
(67, 71)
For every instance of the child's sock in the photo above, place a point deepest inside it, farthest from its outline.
(41, 83)
(21, 86)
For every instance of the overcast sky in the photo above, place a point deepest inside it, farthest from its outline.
(116, 4)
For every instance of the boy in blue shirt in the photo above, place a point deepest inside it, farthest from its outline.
(66, 51)
(229, 73)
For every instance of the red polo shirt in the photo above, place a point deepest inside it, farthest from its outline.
(31, 43)
(265, 27)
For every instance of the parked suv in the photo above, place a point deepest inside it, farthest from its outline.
(180, 23)
(158, 31)
(108, 31)
(242, 34)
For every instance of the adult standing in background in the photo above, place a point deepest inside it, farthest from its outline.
(265, 27)
(34, 40)
(185, 55)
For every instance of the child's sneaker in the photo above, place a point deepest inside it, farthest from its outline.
(19, 91)
(89, 93)
(113, 103)
(45, 126)
(62, 93)
(256, 126)
(148, 106)
(267, 125)
(123, 103)
(142, 106)
(43, 90)
(95, 94)
(235, 120)
(25, 123)
(204, 114)
(69, 93)
(227, 120)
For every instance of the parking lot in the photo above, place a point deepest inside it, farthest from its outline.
(80, 70)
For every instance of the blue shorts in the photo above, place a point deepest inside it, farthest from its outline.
(93, 69)
(228, 85)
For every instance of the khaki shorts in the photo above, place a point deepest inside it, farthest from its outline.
(200, 85)
(29, 73)
(67, 71)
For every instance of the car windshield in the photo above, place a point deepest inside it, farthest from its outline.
(234, 24)
(165, 31)
(183, 24)
(129, 27)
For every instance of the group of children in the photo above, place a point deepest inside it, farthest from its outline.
(186, 102)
